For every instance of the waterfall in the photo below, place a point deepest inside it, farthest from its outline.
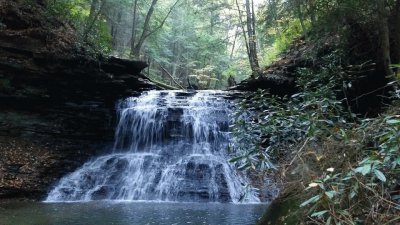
(169, 146)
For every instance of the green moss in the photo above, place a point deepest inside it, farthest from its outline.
(284, 210)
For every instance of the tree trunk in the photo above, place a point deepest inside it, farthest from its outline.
(146, 30)
(93, 8)
(383, 57)
(243, 30)
(173, 64)
(133, 36)
(115, 25)
(234, 43)
(301, 18)
(395, 35)
(252, 37)
(93, 16)
(311, 11)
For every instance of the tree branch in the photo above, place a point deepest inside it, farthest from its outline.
(91, 24)
(163, 21)
(243, 29)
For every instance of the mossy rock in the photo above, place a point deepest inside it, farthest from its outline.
(284, 210)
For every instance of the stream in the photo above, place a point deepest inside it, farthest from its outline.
(128, 213)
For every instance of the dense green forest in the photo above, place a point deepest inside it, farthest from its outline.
(331, 140)
(208, 41)
(203, 42)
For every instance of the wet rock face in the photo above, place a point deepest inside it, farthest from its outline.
(193, 182)
(152, 161)
(54, 97)
(199, 174)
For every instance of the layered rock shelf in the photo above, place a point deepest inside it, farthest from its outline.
(57, 103)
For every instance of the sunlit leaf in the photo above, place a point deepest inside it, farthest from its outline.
(329, 220)
(393, 121)
(380, 175)
(319, 214)
(330, 194)
(364, 170)
(311, 200)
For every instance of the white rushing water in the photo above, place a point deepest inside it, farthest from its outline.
(169, 146)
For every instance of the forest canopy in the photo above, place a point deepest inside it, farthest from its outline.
(204, 42)
(184, 41)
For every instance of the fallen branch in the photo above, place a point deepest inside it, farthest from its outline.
(371, 92)
(299, 151)
(171, 76)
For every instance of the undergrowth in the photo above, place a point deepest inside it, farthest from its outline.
(282, 41)
(347, 166)
(76, 13)
(364, 189)
(264, 123)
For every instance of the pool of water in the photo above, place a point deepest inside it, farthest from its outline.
(128, 213)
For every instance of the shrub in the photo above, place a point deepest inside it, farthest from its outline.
(350, 167)
(366, 190)
(283, 40)
(264, 123)
(76, 12)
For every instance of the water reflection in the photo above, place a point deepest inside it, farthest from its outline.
(128, 213)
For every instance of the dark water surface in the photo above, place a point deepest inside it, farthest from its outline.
(128, 213)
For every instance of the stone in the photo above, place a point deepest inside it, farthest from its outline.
(102, 193)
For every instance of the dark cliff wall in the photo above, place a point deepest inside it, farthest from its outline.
(57, 104)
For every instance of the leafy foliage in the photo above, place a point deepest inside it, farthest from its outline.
(356, 162)
(282, 41)
(365, 191)
(351, 165)
(265, 124)
(76, 12)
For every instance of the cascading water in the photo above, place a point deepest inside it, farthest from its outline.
(169, 146)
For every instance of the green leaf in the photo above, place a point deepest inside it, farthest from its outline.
(319, 214)
(344, 212)
(330, 194)
(393, 121)
(311, 200)
(380, 175)
(235, 159)
(328, 222)
(352, 194)
(364, 170)
(344, 135)
(244, 166)
(397, 161)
